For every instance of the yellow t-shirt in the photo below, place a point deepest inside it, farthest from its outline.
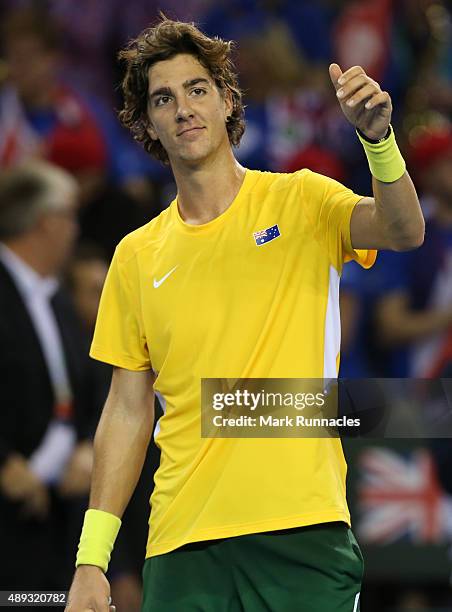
(204, 301)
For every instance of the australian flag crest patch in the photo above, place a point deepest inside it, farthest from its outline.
(266, 235)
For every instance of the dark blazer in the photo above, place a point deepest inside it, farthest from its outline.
(26, 408)
(26, 394)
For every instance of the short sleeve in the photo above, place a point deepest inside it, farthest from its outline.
(329, 206)
(119, 337)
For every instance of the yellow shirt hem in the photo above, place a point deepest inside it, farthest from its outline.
(230, 531)
(123, 361)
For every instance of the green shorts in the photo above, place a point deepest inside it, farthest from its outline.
(309, 569)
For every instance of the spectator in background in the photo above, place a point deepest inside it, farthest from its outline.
(86, 277)
(112, 213)
(415, 314)
(40, 116)
(427, 26)
(45, 385)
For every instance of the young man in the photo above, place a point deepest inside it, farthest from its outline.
(236, 524)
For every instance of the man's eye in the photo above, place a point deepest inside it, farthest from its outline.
(162, 100)
(198, 91)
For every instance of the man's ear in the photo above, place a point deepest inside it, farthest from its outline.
(228, 104)
(151, 131)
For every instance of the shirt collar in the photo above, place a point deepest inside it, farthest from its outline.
(28, 281)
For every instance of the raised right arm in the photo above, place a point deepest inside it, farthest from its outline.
(120, 446)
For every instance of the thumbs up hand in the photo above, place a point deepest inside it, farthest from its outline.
(363, 103)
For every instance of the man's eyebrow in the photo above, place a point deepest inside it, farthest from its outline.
(192, 82)
(166, 91)
(161, 91)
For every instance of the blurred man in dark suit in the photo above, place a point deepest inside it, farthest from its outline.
(45, 459)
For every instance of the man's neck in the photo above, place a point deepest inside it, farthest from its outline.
(205, 192)
(31, 254)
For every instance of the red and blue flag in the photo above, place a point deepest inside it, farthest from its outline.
(266, 235)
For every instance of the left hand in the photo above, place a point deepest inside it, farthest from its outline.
(362, 101)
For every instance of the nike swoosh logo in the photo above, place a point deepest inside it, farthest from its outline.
(157, 283)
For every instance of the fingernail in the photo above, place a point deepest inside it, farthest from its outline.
(350, 102)
(368, 104)
(340, 93)
(340, 81)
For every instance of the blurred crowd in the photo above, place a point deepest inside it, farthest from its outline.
(73, 183)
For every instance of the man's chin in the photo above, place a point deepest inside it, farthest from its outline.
(192, 156)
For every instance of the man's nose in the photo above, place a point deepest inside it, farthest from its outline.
(184, 111)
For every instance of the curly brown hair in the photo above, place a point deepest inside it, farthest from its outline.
(161, 42)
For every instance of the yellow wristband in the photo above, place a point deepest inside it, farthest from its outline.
(98, 537)
(385, 160)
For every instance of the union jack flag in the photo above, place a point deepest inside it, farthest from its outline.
(399, 497)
